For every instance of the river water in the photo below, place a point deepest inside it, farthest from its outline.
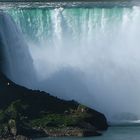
(113, 133)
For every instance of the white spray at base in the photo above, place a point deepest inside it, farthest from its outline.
(89, 55)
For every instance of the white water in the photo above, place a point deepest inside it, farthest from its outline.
(90, 55)
(18, 64)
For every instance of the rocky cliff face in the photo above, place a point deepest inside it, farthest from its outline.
(35, 113)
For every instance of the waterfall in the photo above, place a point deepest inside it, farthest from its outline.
(18, 64)
(87, 54)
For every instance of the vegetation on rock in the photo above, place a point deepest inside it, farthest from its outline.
(35, 113)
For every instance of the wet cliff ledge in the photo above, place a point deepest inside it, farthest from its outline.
(31, 113)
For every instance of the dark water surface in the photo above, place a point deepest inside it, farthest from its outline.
(76, 4)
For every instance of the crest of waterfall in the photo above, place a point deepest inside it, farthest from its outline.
(87, 54)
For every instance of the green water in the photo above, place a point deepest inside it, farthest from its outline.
(113, 133)
(74, 23)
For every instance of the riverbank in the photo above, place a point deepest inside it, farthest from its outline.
(113, 133)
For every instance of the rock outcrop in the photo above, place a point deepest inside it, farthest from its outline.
(30, 113)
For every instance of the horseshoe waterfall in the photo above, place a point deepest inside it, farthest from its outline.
(91, 55)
